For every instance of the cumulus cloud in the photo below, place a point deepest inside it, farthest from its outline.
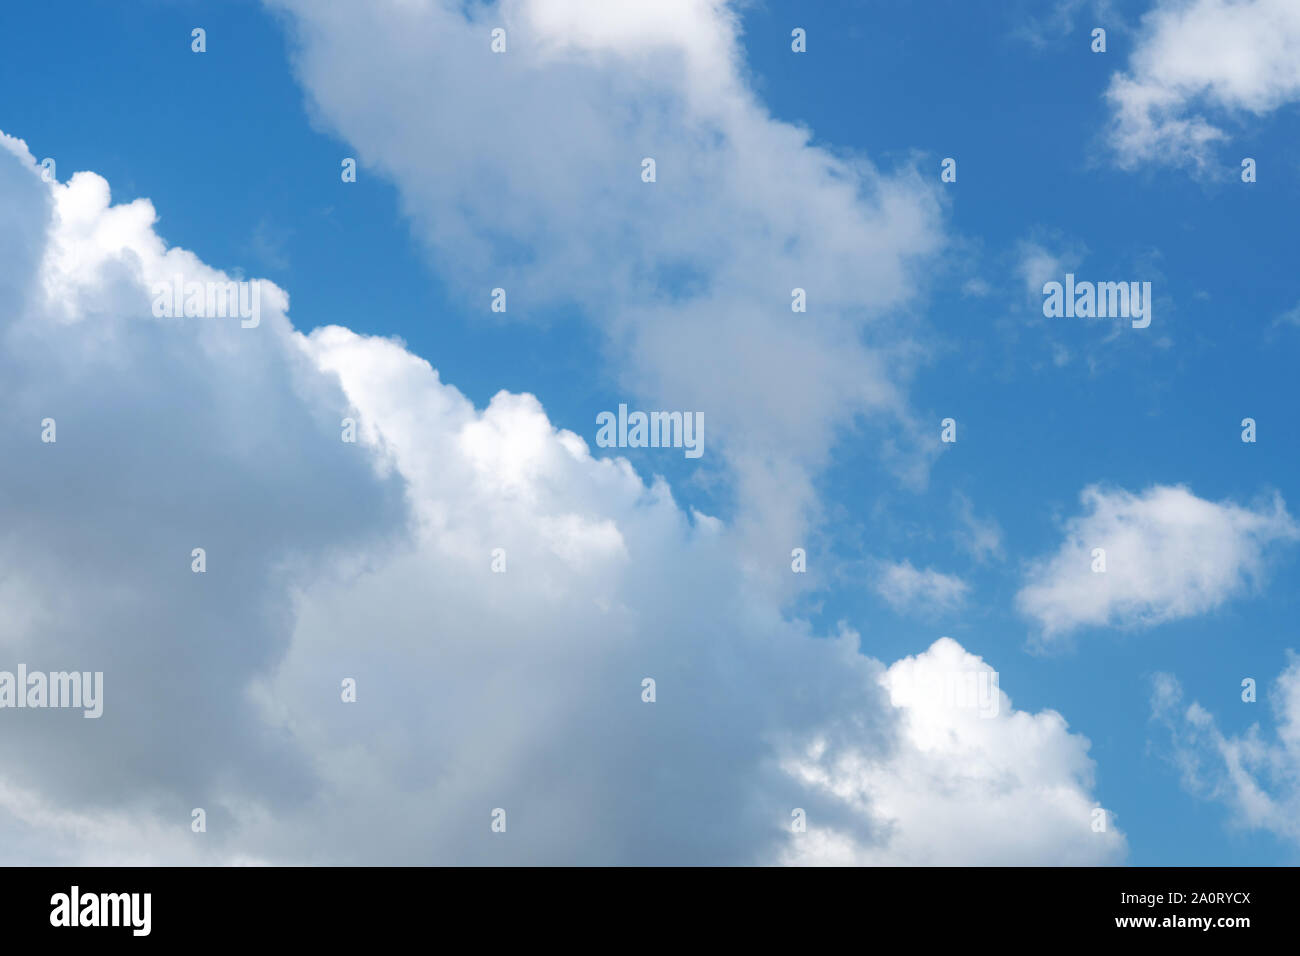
(171, 435)
(1196, 63)
(968, 783)
(906, 587)
(1256, 778)
(1168, 555)
(527, 176)
(373, 561)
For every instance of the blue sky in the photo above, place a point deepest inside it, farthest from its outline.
(244, 171)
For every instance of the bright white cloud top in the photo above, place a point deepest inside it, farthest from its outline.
(972, 782)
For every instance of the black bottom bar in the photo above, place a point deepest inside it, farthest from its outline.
(613, 907)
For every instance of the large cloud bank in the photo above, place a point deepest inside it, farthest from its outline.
(373, 560)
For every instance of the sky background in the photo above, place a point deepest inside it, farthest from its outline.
(242, 168)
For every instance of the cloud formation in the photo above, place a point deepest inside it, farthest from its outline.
(1257, 779)
(1195, 64)
(906, 587)
(476, 689)
(528, 177)
(1167, 555)
(968, 783)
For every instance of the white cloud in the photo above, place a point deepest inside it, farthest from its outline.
(328, 560)
(906, 587)
(1257, 779)
(1168, 555)
(1195, 62)
(527, 176)
(965, 786)
(171, 434)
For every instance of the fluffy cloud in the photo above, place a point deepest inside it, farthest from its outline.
(172, 434)
(905, 587)
(328, 560)
(1168, 555)
(1258, 779)
(971, 780)
(1197, 60)
(527, 176)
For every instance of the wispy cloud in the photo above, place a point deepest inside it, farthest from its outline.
(907, 588)
(1257, 779)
